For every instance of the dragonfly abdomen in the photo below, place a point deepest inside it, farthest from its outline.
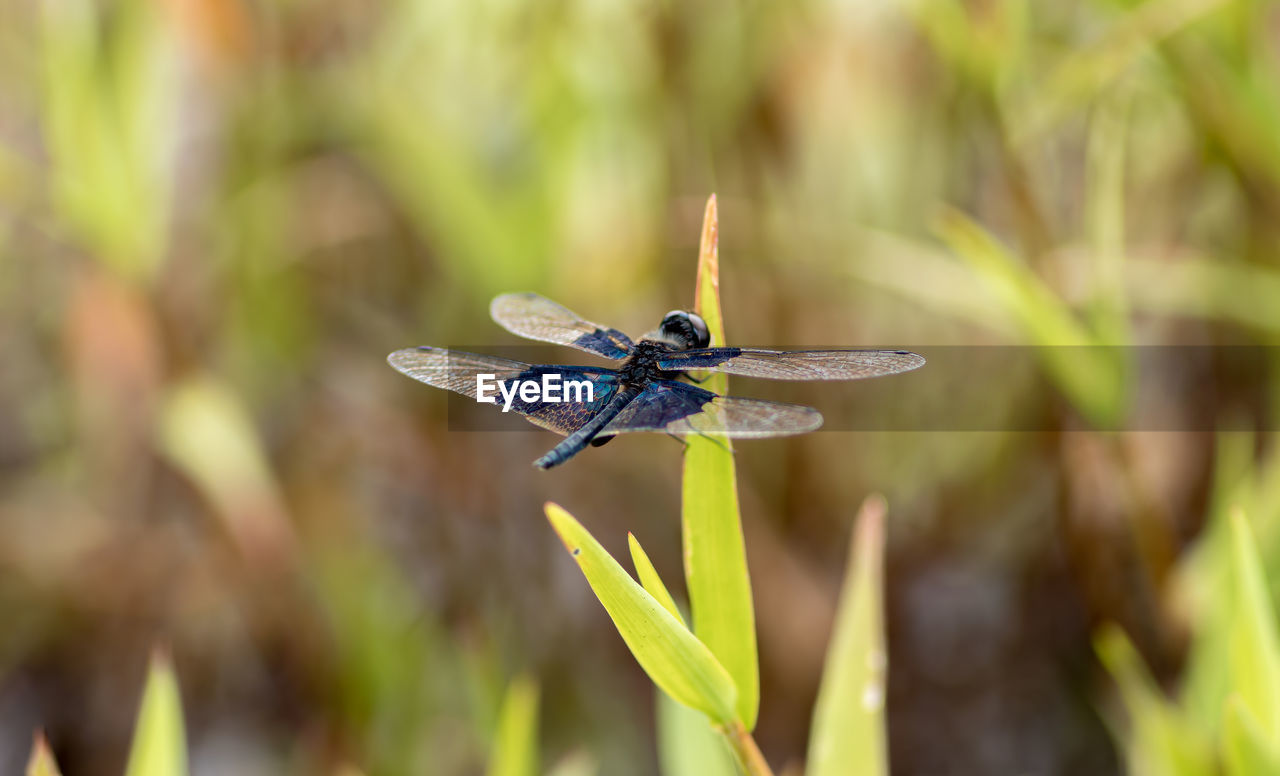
(578, 440)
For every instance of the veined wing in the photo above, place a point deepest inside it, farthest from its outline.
(459, 372)
(795, 364)
(678, 408)
(539, 318)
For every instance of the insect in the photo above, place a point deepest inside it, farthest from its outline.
(645, 392)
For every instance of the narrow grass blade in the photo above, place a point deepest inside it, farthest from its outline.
(1246, 749)
(715, 559)
(1202, 583)
(649, 578)
(108, 115)
(1254, 652)
(673, 657)
(209, 435)
(1105, 216)
(159, 740)
(1161, 740)
(1095, 380)
(930, 276)
(688, 745)
(42, 762)
(1043, 316)
(848, 722)
(515, 746)
(1197, 286)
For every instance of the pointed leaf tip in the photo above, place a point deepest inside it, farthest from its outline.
(874, 509)
(559, 519)
(707, 292)
(159, 740)
(41, 762)
(1254, 651)
(649, 578)
(668, 652)
(848, 718)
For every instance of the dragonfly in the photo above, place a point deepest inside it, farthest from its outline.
(651, 390)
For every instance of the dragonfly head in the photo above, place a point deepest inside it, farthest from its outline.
(685, 330)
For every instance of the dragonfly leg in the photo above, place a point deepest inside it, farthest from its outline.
(716, 440)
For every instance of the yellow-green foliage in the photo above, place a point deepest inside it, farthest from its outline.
(217, 215)
(1226, 717)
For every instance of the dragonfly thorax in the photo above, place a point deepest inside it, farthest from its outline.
(641, 367)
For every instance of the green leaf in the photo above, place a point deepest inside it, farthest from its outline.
(1246, 750)
(159, 741)
(688, 745)
(649, 578)
(42, 762)
(715, 559)
(673, 657)
(848, 734)
(1254, 654)
(515, 746)
(1161, 740)
(1094, 378)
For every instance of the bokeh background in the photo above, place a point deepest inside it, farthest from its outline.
(218, 216)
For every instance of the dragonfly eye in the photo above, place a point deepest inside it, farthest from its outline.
(702, 337)
(686, 329)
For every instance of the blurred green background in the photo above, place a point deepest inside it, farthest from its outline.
(218, 216)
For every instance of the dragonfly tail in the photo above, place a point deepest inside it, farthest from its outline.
(578, 440)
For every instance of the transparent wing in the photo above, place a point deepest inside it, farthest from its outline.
(539, 318)
(458, 372)
(451, 369)
(795, 364)
(677, 408)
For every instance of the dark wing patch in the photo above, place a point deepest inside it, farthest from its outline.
(457, 371)
(677, 408)
(794, 364)
(536, 317)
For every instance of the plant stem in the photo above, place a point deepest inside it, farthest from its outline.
(748, 755)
